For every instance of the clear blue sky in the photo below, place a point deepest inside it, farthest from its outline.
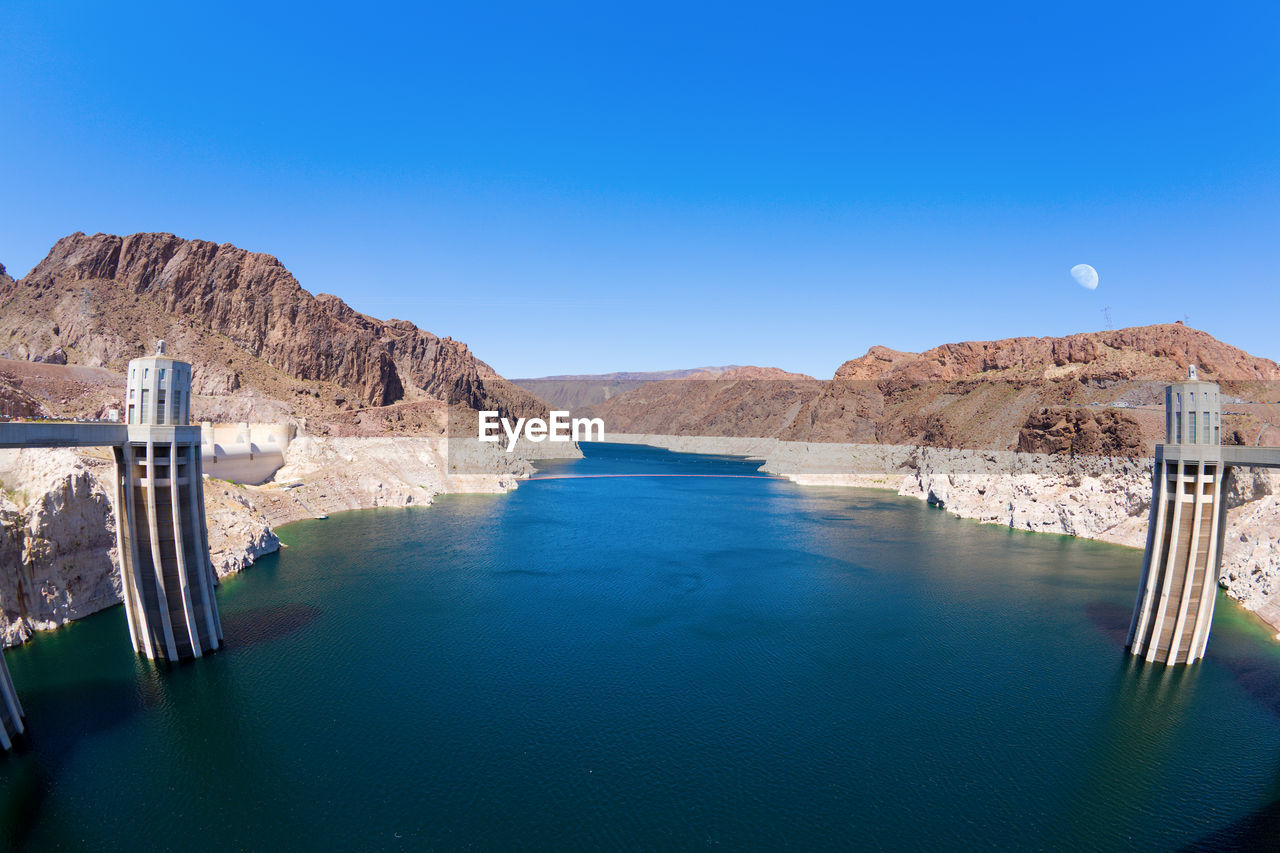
(594, 187)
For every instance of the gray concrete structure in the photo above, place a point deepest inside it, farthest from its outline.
(1186, 524)
(11, 723)
(245, 453)
(166, 575)
(168, 579)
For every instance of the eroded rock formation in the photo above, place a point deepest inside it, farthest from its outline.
(239, 315)
(1081, 431)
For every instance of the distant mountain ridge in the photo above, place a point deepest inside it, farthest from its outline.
(575, 392)
(632, 375)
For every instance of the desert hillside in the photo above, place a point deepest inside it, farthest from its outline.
(1097, 392)
(264, 348)
(578, 390)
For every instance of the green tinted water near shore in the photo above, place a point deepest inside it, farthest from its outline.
(656, 663)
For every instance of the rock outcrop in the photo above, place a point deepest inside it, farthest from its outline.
(16, 403)
(241, 317)
(1106, 432)
(1095, 497)
(1251, 556)
(58, 535)
(239, 532)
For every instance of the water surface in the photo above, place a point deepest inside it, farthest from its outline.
(654, 663)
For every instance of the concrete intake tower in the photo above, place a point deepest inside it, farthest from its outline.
(1186, 525)
(164, 554)
(166, 577)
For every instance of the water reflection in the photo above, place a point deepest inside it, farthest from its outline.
(1165, 694)
(58, 719)
(247, 628)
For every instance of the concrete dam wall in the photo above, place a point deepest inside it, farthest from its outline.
(244, 453)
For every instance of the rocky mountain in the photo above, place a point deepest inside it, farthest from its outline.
(1160, 352)
(577, 392)
(1098, 392)
(750, 372)
(725, 407)
(243, 320)
(635, 375)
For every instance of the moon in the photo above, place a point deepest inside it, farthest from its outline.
(1085, 276)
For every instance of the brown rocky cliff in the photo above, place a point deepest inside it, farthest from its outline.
(877, 361)
(1104, 432)
(746, 373)
(254, 302)
(16, 403)
(1159, 352)
(1097, 392)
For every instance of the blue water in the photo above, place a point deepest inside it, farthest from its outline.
(654, 663)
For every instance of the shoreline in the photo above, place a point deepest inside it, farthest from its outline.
(57, 516)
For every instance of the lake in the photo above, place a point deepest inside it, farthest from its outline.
(661, 662)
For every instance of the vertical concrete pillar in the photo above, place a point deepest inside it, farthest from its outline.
(167, 579)
(1209, 584)
(1151, 557)
(1174, 611)
(11, 724)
